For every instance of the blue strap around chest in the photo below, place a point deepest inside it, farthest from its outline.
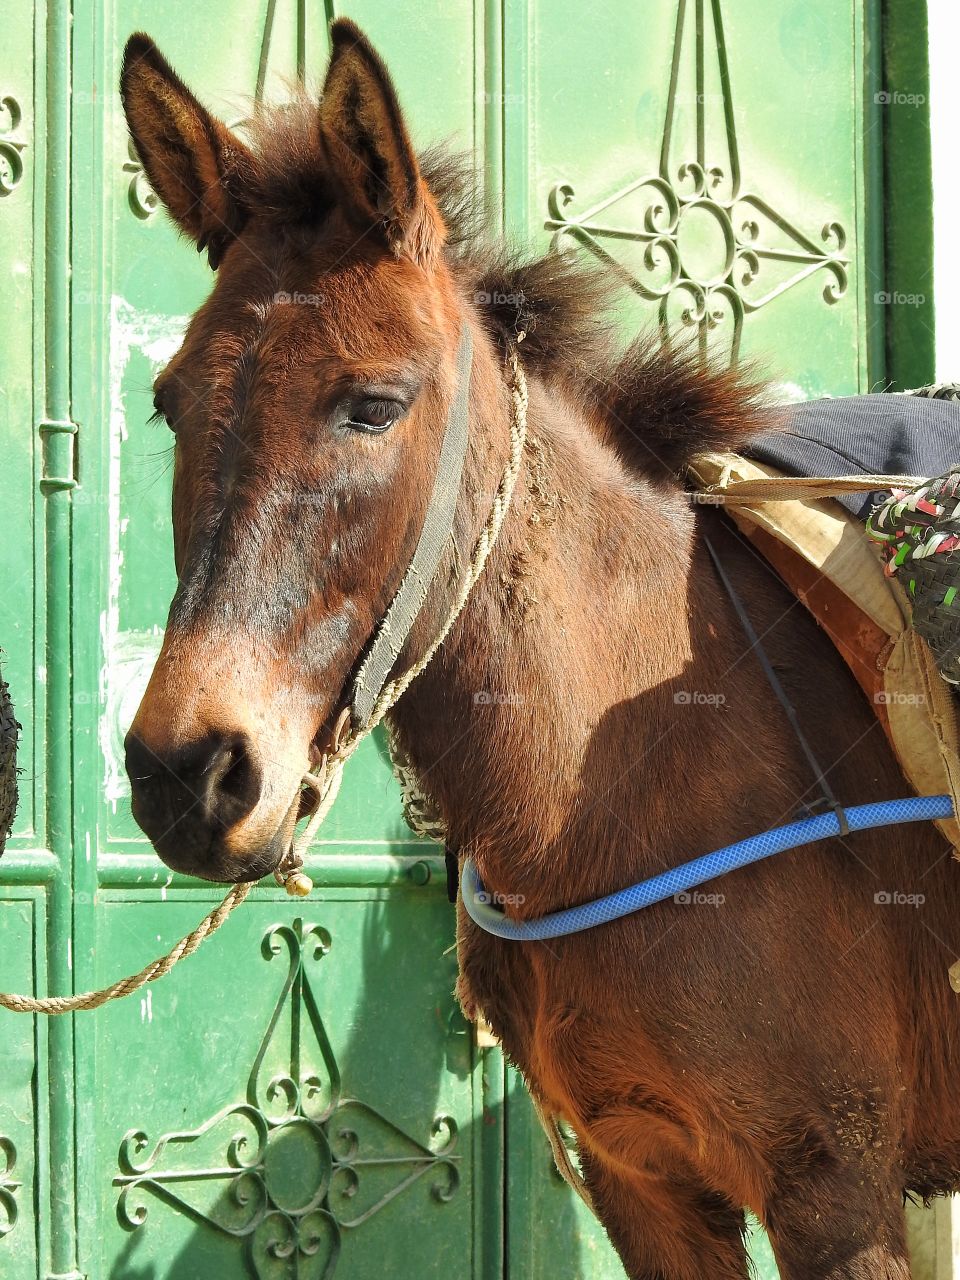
(482, 909)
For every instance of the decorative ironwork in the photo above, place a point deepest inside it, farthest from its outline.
(140, 195)
(9, 1210)
(11, 146)
(298, 1119)
(703, 233)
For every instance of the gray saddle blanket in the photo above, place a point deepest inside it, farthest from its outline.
(917, 434)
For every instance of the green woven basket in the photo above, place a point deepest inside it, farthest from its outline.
(919, 532)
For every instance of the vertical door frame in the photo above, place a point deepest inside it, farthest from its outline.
(58, 434)
(902, 127)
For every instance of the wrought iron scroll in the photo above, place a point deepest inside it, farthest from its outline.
(704, 189)
(12, 145)
(293, 1227)
(9, 1187)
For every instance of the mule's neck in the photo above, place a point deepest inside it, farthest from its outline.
(560, 726)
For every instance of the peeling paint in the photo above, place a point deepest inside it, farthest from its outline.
(789, 393)
(128, 656)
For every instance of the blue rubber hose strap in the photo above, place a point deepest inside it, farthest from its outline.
(860, 817)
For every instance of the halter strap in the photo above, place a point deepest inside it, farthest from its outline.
(393, 631)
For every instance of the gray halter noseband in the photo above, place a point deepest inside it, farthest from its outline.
(393, 631)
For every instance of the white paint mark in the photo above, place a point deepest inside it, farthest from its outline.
(70, 954)
(146, 1007)
(41, 674)
(789, 393)
(129, 655)
(123, 679)
(86, 845)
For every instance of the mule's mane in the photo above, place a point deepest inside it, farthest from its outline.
(657, 405)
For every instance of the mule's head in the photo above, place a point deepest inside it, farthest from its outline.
(307, 403)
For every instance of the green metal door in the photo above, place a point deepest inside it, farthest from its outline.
(302, 1098)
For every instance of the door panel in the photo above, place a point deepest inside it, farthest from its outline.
(21, 548)
(26, 866)
(23, 1076)
(298, 1094)
(671, 145)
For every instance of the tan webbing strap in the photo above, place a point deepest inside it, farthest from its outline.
(795, 488)
(392, 633)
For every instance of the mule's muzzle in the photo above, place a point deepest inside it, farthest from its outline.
(190, 799)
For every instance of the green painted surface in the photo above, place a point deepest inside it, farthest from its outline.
(904, 117)
(747, 122)
(21, 566)
(425, 1157)
(23, 1113)
(332, 1021)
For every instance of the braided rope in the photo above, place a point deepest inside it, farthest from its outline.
(127, 986)
(325, 779)
(420, 812)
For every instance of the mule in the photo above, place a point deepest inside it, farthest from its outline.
(786, 1040)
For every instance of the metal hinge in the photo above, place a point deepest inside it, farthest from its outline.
(59, 438)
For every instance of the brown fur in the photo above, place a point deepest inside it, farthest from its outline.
(194, 163)
(793, 1049)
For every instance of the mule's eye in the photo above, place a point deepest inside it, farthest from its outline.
(160, 411)
(375, 416)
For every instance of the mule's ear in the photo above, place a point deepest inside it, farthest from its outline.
(195, 164)
(369, 152)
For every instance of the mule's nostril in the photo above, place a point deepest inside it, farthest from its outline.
(213, 783)
(234, 783)
(236, 777)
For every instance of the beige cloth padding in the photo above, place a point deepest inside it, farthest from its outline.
(919, 706)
